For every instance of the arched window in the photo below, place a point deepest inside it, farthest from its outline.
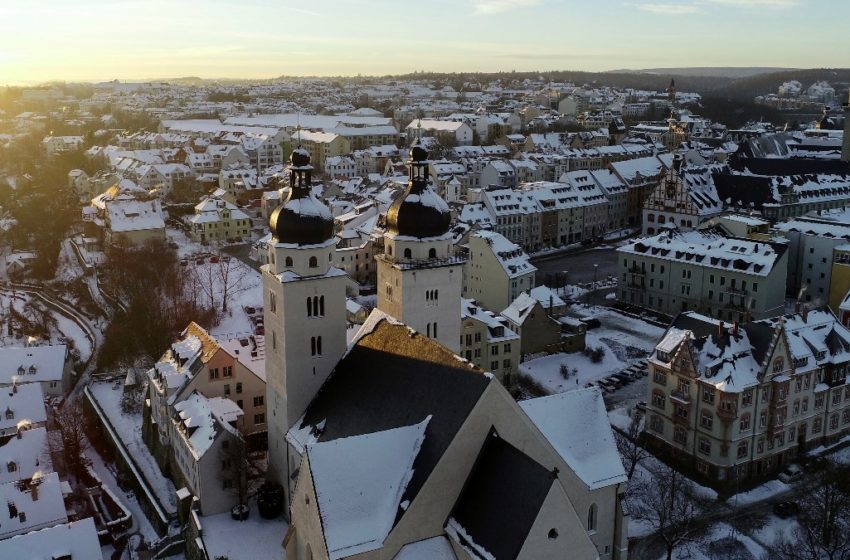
(321, 306)
(12, 466)
(435, 330)
(591, 518)
(312, 345)
(428, 329)
(436, 295)
(309, 307)
(662, 219)
(319, 345)
(314, 262)
(432, 253)
(390, 250)
(288, 261)
(745, 422)
(407, 253)
(650, 217)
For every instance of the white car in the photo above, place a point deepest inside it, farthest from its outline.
(792, 473)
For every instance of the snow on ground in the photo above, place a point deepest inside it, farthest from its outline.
(129, 429)
(63, 329)
(225, 537)
(547, 370)
(775, 530)
(721, 541)
(107, 477)
(68, 266)
(759, 493)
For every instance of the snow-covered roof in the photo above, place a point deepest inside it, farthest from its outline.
(815, 338)
(497, 329)
(520, 308)
(577, 426)
(76, 540)
(32, 363)
(201, 420)
(21, 405)
(26, 450)
(359, 482)
(46, 510)
(513, 259)
(709, 249)
(547, 297)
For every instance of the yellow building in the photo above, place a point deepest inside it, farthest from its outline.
(839, 283)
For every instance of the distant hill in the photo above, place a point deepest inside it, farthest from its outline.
(710, 71)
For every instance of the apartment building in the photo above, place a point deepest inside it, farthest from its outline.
(741, 400)
(496, 270)
(725, 277)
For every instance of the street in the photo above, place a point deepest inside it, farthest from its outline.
(578, 265)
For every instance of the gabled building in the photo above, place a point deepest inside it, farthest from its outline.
(76, 540)
(50, 366)
(537, 329)
(685, 198)
(127, 214)
(742, 400)
(33, 504)
(21, 408)
(496, 270)
(217, 220)
(488, 342)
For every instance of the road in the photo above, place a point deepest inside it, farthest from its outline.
(579, 265)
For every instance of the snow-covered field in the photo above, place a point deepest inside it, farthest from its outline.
(251, 539)
(625, 341)
(129, 429)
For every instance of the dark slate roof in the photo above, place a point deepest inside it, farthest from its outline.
(759, 334)
(394, 377)
(502, 498)
(744, 189)
(788, 166)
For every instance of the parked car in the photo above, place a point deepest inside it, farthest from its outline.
(624, 377)
(607, 385)
(641, 405)
(786, 509)
(792, 473)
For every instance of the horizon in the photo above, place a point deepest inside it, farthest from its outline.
(129, 40)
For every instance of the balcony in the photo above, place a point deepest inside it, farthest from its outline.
(680, 397)
(637, 270)
(734, 290)
(727, 413)
(413, 264)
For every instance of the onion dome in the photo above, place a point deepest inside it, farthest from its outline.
(302, 218)
(419, 211)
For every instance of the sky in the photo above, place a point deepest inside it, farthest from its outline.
(90, 40)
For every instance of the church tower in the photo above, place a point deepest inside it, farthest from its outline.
(845, 147)
(303, 310)
(419, 278)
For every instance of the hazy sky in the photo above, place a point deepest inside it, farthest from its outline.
(125, 39)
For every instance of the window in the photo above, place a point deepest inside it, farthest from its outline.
(818, 401)
(432, 253)
(408, 254)
(494, 350)
(227, 389)
(833, 422)
(660, 377)
(706, 419)
(743, 450)
(796, 409)
(817, 426)
(227, 371)
(658, 399)
(745, 423)
(238, 388)
(656, 424)
(214, 373)
(288, 261)
(760, 446)
(708, 396)
(507, 347)
(259, 401)
(494, 365)
(705, 446)
(315, 345)
(680, 435)
(763, 419)
(12, 467)
(314, 262)
(836, 396)
(506, 364)
(747, 398)
(260, 418)
(272, 302)
(591, 518)
(805, 406)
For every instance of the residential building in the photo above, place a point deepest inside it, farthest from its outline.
(55, 145)
(204, 432)
(21, 408)
(742, 400)
(321, 146)
(127, 214)
(496, 270)
(448, 133)
(76, 540)
(49, 365)
(24, 455)
(537, 329)
(217, 220)
(33, 504)
(487, 342)
(725, 277)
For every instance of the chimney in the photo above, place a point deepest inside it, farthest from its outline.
(735, 329)
(805, 313)
(720, 329)
(797, 308)
(20, 433)
(34, 490)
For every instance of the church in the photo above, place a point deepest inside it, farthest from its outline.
(391, 446)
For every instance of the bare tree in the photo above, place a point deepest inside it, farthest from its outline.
(235, 467)
(667, 500)
(631, 451)
(232, 276)
(823, 524)
(68, 439)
